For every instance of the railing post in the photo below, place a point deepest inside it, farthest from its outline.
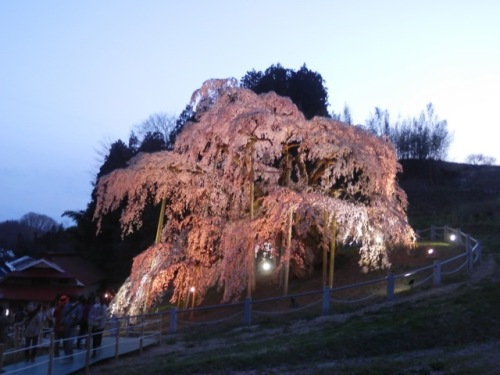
(433, 233)
(173, 320)
(51, 353)
(1, 356)
(17, 334)
(88, 346)
(437, 273)
(117, 341)
(160, 329)
(446, 233)
(248, 311)
(326, 300)
(390, 286)
(470, 255)
(141, 339)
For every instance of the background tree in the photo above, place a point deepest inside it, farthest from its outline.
(33, 234)
(379, 123)
(40, 222)
(153, 142)
(186, 115)
(422, 137)
(247, 153)
(118, 156)
(305, 87)
(480, 159)
(109, 250)
(158, 125)
(345, 116)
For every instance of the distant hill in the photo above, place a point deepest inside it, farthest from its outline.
(13, 232)
(460, 195)
(26, 240)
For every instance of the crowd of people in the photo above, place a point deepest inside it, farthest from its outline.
(72, 319)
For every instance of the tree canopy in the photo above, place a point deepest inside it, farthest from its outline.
(305, 87)
(236, 174)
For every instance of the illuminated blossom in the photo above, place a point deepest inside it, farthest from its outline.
(315, 169)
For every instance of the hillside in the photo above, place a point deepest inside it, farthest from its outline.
(453, 329)
(460, 195)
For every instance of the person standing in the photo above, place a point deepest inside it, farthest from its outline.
(58, 326)
(97, 322)
(71, 316)
(84, 325)
(33, 323)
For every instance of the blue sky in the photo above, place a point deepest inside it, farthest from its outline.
(79, 74)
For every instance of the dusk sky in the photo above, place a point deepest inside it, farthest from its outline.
(77, 75)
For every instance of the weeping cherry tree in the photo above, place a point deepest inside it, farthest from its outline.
(251, 173)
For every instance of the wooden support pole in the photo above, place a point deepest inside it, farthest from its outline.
(325, 249)
(160, 221)
(251, 256)
(288, 253)
(332, 251)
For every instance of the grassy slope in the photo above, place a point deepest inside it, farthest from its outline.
(450, 333)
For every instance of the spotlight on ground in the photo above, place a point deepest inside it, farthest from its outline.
(266, 266)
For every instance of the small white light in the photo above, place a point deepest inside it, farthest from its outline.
(6, 312)
(430, 251)
(453, 237)
(407, 274)
(191, 289)
(266, 266)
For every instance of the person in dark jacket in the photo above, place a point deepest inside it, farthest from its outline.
(71, 317)
(84, 323)
(58, 326)
(97, 321)
(33, 322)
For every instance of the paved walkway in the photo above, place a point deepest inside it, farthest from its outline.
(41, 366)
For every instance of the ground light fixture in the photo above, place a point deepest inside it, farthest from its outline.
(190, 293)
(430, 252)
(266, 266)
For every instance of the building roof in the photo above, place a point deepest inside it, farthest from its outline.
(25, 281)
(20, 263)
(84, 271)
